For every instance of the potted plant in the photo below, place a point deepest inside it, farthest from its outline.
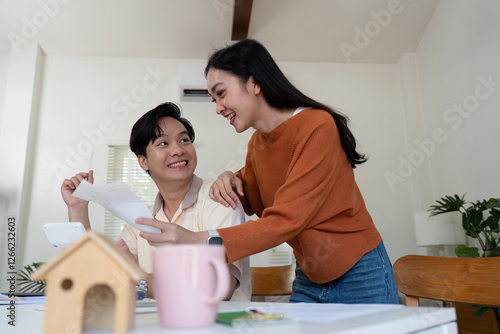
(480, 220)
(26, 283)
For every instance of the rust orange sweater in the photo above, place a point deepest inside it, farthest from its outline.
(298, 180)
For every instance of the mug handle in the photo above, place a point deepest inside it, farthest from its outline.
(222, 274)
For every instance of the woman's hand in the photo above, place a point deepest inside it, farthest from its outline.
(69, 186)
(226, 189)
(170, 233)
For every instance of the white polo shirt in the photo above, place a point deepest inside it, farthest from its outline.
(197, 212)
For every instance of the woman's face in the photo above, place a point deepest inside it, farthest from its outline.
(171, 157)
(235, 101)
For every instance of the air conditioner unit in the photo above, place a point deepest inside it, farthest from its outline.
(192, 83)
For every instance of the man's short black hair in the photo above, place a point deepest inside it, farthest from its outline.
(147, 128)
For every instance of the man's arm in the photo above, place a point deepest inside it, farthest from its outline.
(219, 216)
(148, 277)
(234, 279)
(78, 209)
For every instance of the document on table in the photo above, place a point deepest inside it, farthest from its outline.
(325, 313)
(5, 300)
(146, 305)
(119, 199)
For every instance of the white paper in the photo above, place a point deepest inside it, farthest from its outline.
(325, 313)
(5, 300)
(118, 199)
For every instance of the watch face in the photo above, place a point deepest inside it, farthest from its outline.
(142, 289)
(141, 294)
(215, 241)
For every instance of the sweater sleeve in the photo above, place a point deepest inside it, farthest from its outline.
(311, 173)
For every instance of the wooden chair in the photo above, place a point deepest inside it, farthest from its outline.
(458, 280)
(465, 282)
(272, 281)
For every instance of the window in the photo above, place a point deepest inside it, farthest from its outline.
(123, 166)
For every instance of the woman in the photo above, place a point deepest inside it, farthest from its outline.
(298, 179)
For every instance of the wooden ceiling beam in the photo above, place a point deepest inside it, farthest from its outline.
(241, 19)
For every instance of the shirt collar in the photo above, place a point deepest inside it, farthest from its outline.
(189, 199)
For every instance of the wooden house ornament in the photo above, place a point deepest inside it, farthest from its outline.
(91, 284)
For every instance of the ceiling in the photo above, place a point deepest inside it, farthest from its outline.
(292, 30)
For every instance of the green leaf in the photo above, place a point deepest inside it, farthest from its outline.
(480, 221)
(493, 203)
(24, 281)
(471, 232)
(495, 213)
(447, 204)
(475, 217)
(37, 265)
(464, 251)
(494, 220)
(494, 252)
(487, 222)
(466, 224)
(481, 311)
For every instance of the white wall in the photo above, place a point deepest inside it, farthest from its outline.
(78, 94)
(17, 134)
(4, 63)
(462, 44)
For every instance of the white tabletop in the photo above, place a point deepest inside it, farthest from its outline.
(336, 319)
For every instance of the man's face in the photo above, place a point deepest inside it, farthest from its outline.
(171, 157)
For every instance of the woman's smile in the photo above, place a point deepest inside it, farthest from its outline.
(231, 117)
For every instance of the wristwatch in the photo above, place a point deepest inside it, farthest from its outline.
(142, 289)
(214, 238)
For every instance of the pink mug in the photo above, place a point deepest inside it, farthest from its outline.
(189, 282)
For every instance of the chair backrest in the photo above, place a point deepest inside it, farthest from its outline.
(272, 281)
(450, 279)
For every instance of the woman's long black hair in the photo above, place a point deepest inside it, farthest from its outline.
(250, 58)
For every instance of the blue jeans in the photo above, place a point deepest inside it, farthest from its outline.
(369, 281)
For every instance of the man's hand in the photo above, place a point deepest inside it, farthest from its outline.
(69, 186)
(78, 209)
(149, 277)
(123, 246)
(170, 233)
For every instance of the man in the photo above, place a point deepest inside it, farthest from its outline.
(163, 143)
